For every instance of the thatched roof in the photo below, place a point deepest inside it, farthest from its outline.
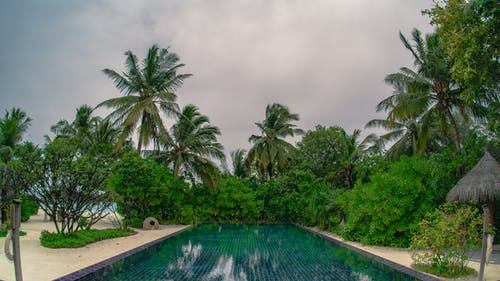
(481, 183)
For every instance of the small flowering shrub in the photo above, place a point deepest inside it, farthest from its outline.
(443, 238)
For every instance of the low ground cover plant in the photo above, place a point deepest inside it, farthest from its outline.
(3, 233)
(80, 238)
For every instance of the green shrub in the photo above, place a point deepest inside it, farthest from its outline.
(442, 239)
(385, 210)
(80, 238)
(3, 233)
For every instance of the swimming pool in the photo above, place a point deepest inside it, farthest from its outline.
(231, 252)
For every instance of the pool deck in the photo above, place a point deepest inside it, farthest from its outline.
(41, 263)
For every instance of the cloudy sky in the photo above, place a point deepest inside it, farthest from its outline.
(324, 59)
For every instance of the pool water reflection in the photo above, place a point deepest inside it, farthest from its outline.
(247, 253)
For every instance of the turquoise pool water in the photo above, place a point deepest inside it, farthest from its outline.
(247, 253)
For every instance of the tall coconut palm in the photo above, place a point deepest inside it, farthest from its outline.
(64, 129)
(192, 145)
(410, 136)
(101, 132)
(350, 153)
(428, 92)
(12, 127)
(148, 91)
(240, 168)
(269, 151)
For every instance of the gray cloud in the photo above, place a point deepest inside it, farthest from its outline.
(326, 60)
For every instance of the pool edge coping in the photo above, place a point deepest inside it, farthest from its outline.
(399, 267)
(73, 276)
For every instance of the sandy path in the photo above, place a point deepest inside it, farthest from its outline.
(41, 264)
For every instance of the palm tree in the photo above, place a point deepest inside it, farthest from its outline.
(428, 93)
(101, 132)
(12, 127)
(269, 151)
(410, 136)
(81, 123)
(191, 146)
(148, 90)
(240, 168)
(350, 152)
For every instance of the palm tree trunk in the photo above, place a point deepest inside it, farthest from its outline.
(270, 170)
(139, 145)
(455, 133)
(176, 170)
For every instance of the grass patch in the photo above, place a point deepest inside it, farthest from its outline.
(80, 238)
(445, 272)
(3, 233)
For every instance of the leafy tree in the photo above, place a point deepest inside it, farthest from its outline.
(141, 189)
(332, 154)
(9, 188)
(148, 91)
(428, 94)
(269, 150)
(68, 184)
(191, 145)
(469, 34)
(318, 151)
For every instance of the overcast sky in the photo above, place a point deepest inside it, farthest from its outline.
(324, 59)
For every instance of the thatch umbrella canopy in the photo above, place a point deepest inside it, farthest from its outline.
(482, 184)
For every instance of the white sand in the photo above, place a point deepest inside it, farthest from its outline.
(41, 264)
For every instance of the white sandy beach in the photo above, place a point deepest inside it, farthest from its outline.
(41, 264)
